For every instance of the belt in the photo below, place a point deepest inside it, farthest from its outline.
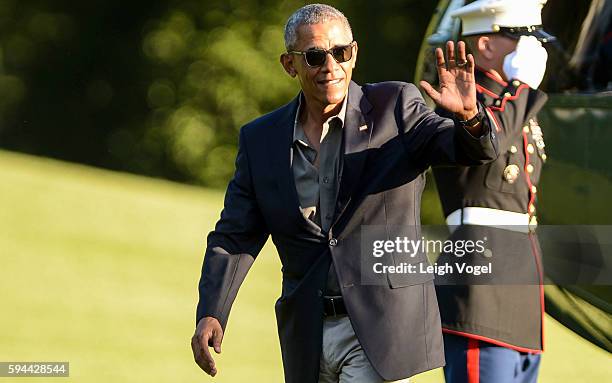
(485, 216)
(333, 306)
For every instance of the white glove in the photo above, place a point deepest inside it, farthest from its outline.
(527, 63)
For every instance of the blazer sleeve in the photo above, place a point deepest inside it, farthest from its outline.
(431, 139)
(232, 247)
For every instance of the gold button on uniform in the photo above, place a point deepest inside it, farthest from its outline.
(530, 168)
(497, 103)
(511, 173)
(516, 83)
(544, 156)
(530, 149)
(507, 94)
(526, 129)
(534, 189)
(513, 149)
(531, 208)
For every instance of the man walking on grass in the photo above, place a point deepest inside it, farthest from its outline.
(311, 174)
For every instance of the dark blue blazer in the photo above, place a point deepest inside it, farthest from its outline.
(396, 320)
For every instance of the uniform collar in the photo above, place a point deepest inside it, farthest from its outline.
(488, 85)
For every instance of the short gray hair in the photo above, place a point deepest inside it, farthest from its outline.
(312, 14)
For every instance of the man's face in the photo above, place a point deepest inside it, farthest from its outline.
(502, 46)
(505, 45)
(491, 50)
(325, 85)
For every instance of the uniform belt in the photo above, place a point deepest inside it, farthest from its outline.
(333, 306)
(485, 216)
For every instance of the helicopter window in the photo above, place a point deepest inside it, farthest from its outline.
(581, 59)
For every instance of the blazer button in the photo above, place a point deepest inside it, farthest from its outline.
(333, 242)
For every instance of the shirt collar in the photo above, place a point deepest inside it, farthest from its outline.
(298, 132)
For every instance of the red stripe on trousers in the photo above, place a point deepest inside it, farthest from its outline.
(473, 361)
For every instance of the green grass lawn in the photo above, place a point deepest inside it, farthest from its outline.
(100, 269)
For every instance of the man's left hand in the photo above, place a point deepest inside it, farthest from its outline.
(457, 82)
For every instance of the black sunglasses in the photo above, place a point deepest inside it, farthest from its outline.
(317, 57)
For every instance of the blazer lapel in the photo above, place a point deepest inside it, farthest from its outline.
(358, 129)
(357, 133)
(280, 149)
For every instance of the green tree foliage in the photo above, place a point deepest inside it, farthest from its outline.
(162, 87)
(216, 68)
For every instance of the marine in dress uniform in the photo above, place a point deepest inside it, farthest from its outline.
(493, 328)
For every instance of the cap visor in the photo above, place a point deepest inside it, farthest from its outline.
(544, 36)
(539, 34)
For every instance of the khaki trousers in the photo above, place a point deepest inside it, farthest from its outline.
(342, 358)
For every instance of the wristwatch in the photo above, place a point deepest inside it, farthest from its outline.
(474, 121)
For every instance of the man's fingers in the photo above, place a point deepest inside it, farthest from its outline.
(441, 64)
(461, 51)
(202, 356)
(450, 52)
(199, 358)
(216, 340)
(207, 363)
(207, 357)
(440, 59)
(431, 92)
(471, 64)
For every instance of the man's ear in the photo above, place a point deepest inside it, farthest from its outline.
(288, 64)
(485, 47)
(354, 59)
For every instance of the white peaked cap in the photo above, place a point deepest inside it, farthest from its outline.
(515, 17)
